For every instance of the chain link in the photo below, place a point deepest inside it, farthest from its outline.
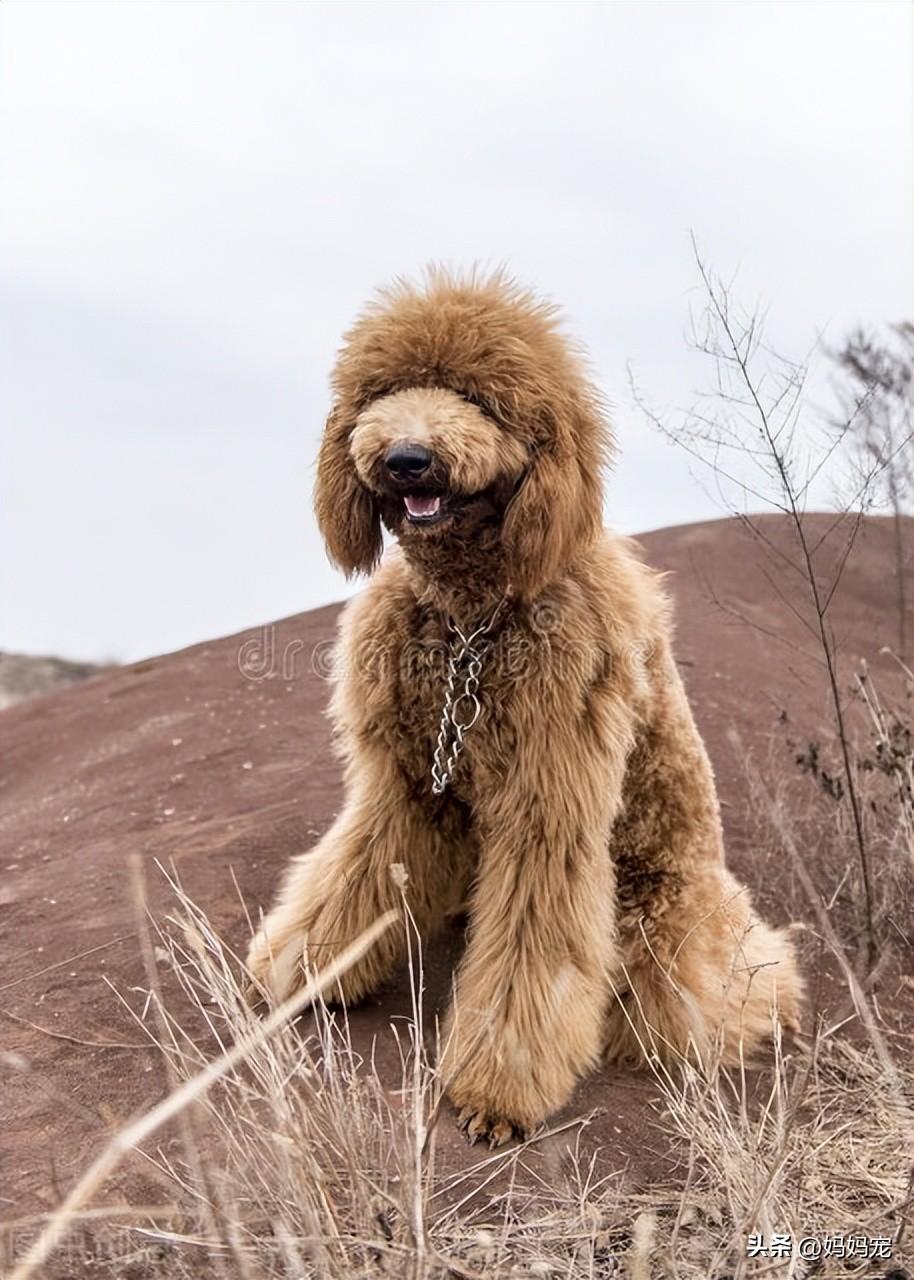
(460, 713)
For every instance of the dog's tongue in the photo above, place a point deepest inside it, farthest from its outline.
(422, 506)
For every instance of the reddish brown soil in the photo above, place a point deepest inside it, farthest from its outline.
(186, 760)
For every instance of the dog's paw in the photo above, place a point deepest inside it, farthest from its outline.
(285, 956)
(274, 967)
(495, 1130)
(257, 985)
(494, 1101)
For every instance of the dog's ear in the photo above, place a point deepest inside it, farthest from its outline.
(346, 512)
(557, 509)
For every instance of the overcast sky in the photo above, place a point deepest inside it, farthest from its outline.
(198, 196)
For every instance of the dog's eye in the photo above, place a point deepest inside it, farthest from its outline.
(481, 404)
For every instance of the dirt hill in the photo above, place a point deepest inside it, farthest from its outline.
(216, 760)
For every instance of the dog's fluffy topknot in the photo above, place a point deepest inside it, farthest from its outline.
(484, 337)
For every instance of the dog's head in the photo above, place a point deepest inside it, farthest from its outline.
(456, 406)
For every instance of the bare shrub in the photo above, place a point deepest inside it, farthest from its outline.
(752, 430)
(876, 375)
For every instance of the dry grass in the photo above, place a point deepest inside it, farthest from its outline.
(300, 1161)
(812, 1147)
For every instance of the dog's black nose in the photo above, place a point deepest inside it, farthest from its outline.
(407, 461)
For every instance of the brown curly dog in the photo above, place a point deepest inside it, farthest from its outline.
(551, 777)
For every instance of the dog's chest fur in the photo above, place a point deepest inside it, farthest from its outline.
(418, 699)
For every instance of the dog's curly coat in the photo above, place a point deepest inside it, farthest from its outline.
(581, 826)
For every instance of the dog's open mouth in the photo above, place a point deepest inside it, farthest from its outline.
(425, 508)
(430, 506)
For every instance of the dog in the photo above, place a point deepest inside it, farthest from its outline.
(512, 724)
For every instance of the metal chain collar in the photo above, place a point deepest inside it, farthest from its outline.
(460, 713)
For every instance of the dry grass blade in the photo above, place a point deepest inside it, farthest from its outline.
(137, 1132)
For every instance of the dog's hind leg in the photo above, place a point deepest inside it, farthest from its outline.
(704, 982)
(700, 976)
(334, 893)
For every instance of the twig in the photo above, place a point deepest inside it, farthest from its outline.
(60, 964)
(62, 1035)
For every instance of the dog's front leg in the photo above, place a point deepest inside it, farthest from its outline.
(533, 989)
(332, 894)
